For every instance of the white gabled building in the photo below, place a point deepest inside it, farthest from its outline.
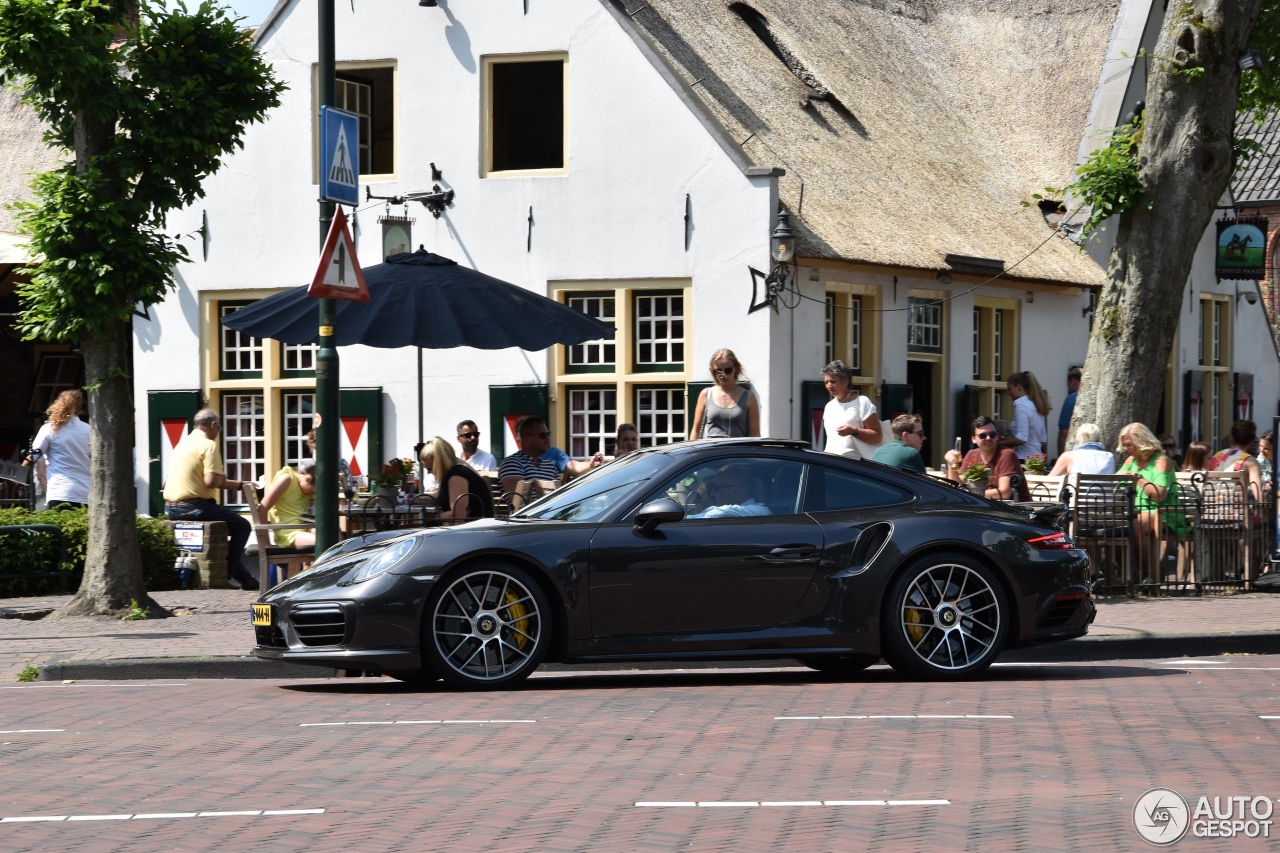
(629, 158)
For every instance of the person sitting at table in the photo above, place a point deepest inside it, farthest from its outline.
(537, 459)
(462, 494)
(1239, 456)
(1088, 456)
(469, 441)
(731, 495)
(1156, 496)
(287, 500)
(1197, 458)
(1002, 462)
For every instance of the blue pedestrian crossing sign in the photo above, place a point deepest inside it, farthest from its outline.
(339, 156)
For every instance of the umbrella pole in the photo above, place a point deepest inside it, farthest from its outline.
(417, 451)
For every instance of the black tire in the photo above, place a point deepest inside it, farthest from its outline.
(486, 626)
(945, 617)
(842, 666)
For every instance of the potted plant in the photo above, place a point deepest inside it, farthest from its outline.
(976, 477)
(1035, 463)
(387, 480)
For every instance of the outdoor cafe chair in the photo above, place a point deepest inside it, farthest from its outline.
(269, 554)
(1102, 513)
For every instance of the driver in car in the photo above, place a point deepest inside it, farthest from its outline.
(731, 495)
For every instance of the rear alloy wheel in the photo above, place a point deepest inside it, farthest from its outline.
(945, 617)
(486, 627)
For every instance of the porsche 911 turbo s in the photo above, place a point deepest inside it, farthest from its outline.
(713, 549)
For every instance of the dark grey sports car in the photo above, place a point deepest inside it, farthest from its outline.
(718, 549)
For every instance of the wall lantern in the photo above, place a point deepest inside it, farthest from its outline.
(782, 248)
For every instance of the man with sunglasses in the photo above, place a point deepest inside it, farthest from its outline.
(537, 459)
(904, 450)
(1002, 461)
(472, 455)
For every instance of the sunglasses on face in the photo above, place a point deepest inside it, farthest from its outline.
(722, 370)
(464, 436)
(984, 435)
(537, 435)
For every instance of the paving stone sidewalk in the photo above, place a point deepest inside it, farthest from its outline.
(210, 636)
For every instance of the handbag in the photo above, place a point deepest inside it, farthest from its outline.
(865, 448)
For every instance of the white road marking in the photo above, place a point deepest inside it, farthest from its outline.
(158, 815)
(1268, 717)
(415, 723)
(905, 717)
(1190, 662)
(751, 804)
(27, 731)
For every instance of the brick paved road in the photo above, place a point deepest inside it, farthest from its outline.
(1056, 764)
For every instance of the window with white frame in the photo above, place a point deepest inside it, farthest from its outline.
(660, 413)
(995, 322)
(924, 325)
(265, 393)
(659, 331)
(593, 420)
(369, 92)
(525, 123)
(637, 377)
(593, 356)
(849, 332)
(1215, 361)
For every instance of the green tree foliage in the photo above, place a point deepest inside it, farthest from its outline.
(150, 108)
(150, 102)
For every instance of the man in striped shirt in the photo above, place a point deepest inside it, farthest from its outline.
(537, 459)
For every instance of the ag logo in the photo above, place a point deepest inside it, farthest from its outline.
(1161, 816)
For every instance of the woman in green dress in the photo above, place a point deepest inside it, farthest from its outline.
(1156, 499)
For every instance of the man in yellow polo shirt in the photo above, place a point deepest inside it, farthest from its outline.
(195, 476)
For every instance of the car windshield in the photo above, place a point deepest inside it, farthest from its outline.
(596, 494)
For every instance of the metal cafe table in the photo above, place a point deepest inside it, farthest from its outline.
(368, 513)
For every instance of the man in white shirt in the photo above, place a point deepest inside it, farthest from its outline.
(731, 494)
(469, 440)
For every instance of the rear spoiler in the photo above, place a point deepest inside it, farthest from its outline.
(1051, 515)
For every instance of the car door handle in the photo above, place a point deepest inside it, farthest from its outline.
(792, 552)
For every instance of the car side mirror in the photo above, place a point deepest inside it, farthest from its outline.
(657, 512)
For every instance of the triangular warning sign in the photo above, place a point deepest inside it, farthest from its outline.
(341, 171)
(339, 275)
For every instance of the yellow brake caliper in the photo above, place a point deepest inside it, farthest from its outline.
(516, 613)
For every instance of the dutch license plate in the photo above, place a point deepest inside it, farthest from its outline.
(262, 615)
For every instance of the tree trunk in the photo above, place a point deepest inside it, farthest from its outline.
(113, 579)
(1186, 161)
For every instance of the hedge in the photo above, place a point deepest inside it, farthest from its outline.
(21, 555)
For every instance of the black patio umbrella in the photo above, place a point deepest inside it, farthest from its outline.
(420, 299)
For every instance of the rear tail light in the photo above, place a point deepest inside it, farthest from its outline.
(1053, 542)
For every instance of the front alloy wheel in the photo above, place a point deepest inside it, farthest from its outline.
(944, 618)
(487, 627)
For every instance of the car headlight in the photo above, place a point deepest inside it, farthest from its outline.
(387, 558)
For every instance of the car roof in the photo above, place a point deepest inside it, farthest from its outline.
(681, 448)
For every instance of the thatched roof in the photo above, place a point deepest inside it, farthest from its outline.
(23, 154)
(1257, 179)
(909, 129)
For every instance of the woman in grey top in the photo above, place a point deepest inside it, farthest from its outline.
(726, 409)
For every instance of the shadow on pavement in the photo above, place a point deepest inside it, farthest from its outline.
(591, 680)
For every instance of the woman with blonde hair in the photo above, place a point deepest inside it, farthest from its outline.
(725, 410)
(463, 494)
(1030, 405)
(1156, 499)
(63, 444)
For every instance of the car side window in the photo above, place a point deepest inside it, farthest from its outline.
(832, 490)
(738, 487)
